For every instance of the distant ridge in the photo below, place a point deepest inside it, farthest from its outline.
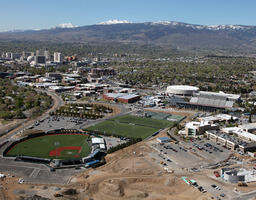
(166, 34)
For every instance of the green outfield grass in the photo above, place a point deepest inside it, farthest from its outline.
(43, 145)
(142, 121)
(123, 129)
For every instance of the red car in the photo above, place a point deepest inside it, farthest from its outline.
(217, 174)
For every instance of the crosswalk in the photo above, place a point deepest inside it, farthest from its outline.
(34, 173)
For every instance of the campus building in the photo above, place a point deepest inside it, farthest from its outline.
(193, 129)
(238, 175)
(239, 132)
(224, 139)
(218, 118)
(121, 97)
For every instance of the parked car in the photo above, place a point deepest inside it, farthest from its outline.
(20, 181)
(217, 174)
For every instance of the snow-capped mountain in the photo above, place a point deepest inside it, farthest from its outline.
(66, 25)
(114, 21)
(195, 26)
(166, 34)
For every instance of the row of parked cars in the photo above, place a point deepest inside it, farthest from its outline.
(219, 189)
(200, 188)
(210, 146)
(169, 147)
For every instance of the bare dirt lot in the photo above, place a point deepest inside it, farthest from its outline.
(129, 174)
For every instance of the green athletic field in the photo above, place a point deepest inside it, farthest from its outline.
(142, 121)
(70, 147)
(165, 116)
(131, 126)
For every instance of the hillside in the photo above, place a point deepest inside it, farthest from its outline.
(174, 35)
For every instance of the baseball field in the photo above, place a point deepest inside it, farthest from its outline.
(59, 146)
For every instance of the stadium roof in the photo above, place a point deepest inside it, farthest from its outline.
(220, 95)
(219, 117)
(212, 101)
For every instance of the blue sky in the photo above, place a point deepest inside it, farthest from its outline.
(31, 14)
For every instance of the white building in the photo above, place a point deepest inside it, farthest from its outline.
(248, 127)
(47, 55)
(193, 129)
(163, 140)
(181, 90)
(8, 54)
(100, 142)
(218, 118)
(240, 133)
(57, 57)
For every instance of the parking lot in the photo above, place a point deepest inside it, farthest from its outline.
(54, 122)
(193, 155)
(210, 151)
(35, 173)
(113, 141)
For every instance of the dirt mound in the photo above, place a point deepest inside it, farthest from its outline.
(113, 188)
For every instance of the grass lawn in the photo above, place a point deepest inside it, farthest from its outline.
(43, 145)
(141, 121)
(123, 129)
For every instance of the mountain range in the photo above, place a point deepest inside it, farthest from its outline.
(181, 36)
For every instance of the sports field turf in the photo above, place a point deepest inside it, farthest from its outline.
(142, 121)
(62, 146)
(123, 129)
(165, 116)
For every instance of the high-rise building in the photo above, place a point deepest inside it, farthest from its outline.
(8, 54)
(47, 55)
(26, 54)
(57, 57)
(15, 56)
(39, 53)
(39, 60)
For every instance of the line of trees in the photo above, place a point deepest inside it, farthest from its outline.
(84, 111)
(124, 145)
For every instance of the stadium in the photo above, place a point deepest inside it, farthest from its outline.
(56, 148)
(181, 90)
